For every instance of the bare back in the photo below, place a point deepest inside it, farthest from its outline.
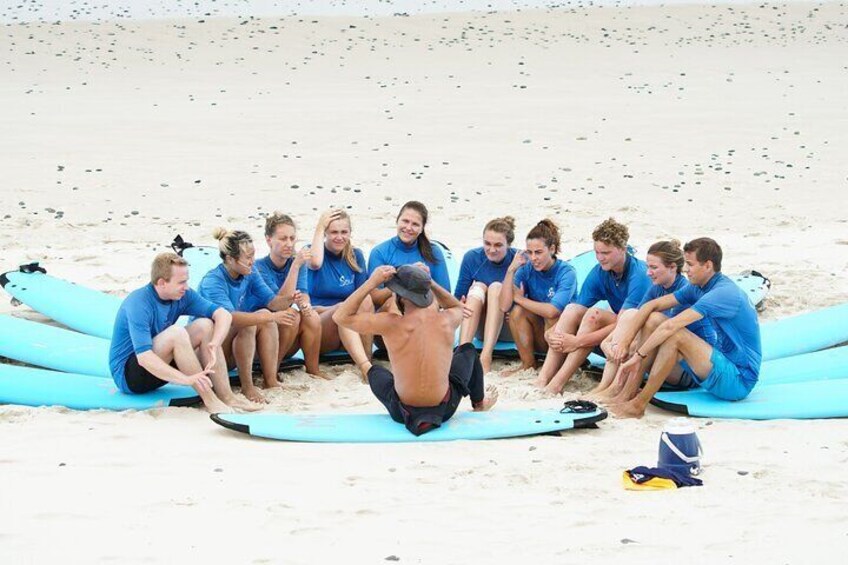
(420, 349)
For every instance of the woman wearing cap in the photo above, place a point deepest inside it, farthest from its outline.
(410, 246)
(257, 310)
(336, 269)
(536, 289)
(479, 287)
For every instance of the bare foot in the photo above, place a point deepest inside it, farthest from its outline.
(489, 400)
(553, 389)
(275, 384)
(253, 394)
(627, 410)
(243, 404)
(514, 370)
(215, 406)
(320, 375)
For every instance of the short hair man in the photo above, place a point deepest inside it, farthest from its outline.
(619, 278)
(730, 369)
(148, 350)
(428, 377)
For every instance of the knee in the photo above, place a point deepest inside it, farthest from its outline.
(517, 314)
(248, 332)
(592, 319)
(203, 327)
(654, 320)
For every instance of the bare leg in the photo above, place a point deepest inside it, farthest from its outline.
(288, 339)
(354, 343)
(472, 302)
(268, 344)
(522, 327)
(310, 343)
(239, 349)
(625, 390)
(682, 344)
(568, 323)
(594, 319)
(488, 401)
(175, 344)
(493, 325)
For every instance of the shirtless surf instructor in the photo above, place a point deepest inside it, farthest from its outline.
(428, 377)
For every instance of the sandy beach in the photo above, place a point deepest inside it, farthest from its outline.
(681, 121)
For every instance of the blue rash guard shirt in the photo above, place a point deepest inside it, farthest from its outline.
(735, 322)
(243, 294)
(275, 277)
(336, 280)
(395, 253)
(476, 267)
(621, 293)
(556, 286)
(702, 328)
(141, 317)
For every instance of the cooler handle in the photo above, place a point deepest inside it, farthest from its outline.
(683, 457)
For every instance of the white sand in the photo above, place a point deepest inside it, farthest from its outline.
(727, 121)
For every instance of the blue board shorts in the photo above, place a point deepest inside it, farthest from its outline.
(725, 380)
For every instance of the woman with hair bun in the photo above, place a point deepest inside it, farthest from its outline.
(257, 310)
(410, 246)
(536, 289)
(665, 269)
(481, 277)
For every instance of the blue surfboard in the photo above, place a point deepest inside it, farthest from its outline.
(380, 428)
(37, 387)
(795, 400)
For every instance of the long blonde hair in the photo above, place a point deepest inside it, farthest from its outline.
(347, 253)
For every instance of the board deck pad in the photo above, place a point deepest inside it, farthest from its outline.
(380, 428)
(38, 387)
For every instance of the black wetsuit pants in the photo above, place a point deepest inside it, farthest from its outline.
(465, 379)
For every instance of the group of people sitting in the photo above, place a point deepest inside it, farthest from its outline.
(700, 332)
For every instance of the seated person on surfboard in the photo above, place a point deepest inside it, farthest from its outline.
(481, 277)
(237, 286)
(665, 269)
(411, 245)
(149, 351)
(336, 270)
(730, 369)
(620, 279)
(535, 290)
(428, 377)
(284, 271)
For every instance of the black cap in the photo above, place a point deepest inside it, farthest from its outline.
(412, 283)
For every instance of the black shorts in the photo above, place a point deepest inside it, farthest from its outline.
(140, 380)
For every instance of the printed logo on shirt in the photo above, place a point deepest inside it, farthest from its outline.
(345, 281)
(551, 292)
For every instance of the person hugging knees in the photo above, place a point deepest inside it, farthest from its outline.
(148, 349)
(336, 270)
(665, 261)
(481, 277)
(236, 286)
(284, 273)
(536, 288)
(618, 278)
(728, 370)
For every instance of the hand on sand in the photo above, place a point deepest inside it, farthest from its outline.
(489, 399)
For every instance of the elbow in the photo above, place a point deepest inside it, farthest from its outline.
(338, 318)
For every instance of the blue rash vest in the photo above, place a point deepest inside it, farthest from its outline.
(735, 321)
(621, 293)
(395, 253)
(702, 328)
(243, 294)
(476, 267)
(141, 317)
(336, 280)
(556, 286)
